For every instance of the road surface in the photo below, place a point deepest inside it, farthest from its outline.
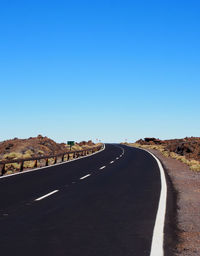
(102, 205)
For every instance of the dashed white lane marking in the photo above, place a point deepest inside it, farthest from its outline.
(42, 197)
(122, 150)
(117, 158)
(111, 162)
(84, 177)
(102, 167)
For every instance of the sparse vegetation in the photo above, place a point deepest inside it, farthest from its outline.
(12, 156)
(34, 147)
(11, 168)
(193, 164)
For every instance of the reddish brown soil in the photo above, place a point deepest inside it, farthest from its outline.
(188, 147)
(85, 143)
(38, 146)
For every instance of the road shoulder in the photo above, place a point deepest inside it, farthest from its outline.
(183, 219)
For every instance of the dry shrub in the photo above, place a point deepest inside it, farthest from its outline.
(40, 152)
(71, 156)
(76, 148)
(195, 167)
(165, 153)
(29, 164)
(193, 164)
(51, 161)
(12, 167)
(9, 172)
(12, 156)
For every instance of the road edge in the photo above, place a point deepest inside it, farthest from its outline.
(157, 244)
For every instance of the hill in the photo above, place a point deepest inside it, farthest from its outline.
(36, 146)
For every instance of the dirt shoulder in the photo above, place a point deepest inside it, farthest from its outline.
(187, 186)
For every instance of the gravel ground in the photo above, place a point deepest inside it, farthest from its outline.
(187, 185)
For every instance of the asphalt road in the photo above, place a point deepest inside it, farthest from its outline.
(102, 205)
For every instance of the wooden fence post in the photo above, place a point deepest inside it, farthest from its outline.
(22, 166)
(75, 154)
(63, 158)
(35, 165)
(3, 171)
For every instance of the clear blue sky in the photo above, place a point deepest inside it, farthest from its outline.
(75, 70)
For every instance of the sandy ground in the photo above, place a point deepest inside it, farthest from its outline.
(187, 185)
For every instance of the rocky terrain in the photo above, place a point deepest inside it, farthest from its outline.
(36, 146)
(188, 147)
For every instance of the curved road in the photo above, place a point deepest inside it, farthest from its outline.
(101, 205)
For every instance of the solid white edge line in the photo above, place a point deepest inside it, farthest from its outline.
(45, 167)
(42, 197)
(157, 243)
(85, 176)
(102, 167)
(158, 232)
